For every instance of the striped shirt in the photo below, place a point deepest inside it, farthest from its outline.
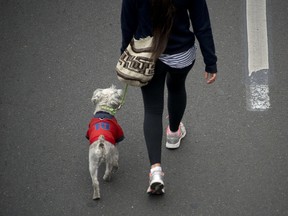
(180, 60)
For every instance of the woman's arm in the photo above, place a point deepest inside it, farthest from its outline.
(129, 21)
(199, 16)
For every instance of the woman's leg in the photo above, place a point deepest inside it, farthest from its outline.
(153, 97)
(177, 95)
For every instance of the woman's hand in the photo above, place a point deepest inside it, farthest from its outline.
(210, 77)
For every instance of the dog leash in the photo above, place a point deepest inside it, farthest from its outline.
(124, 96)
(112, 110)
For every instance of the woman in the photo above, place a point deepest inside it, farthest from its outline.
(168, 21)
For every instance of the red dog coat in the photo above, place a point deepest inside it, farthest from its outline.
(108, 127)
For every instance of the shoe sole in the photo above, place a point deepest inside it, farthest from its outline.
(156, 188)
(176, 145)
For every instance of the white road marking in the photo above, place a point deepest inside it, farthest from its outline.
(258, 97)
(258, 61)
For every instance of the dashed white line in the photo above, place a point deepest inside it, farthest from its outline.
(257, 90)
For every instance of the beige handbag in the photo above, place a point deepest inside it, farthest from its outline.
(135, 66)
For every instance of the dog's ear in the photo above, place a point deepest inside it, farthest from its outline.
(120, 92)
(96, 96)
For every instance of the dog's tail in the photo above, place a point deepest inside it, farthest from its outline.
(101, 139)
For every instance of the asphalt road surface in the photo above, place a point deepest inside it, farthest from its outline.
(54, 54)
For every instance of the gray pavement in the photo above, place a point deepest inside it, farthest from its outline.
(54, 54)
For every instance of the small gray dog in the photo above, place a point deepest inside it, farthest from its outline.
(103, 134)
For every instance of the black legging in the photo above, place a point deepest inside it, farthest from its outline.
(153, 97)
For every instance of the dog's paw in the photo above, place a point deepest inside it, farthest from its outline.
(96, 195)
(107, 177)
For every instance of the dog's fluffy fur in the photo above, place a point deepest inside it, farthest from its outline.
(101, 150)
(110, 97)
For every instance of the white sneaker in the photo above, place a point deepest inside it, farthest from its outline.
(156, 183)
(174, 138)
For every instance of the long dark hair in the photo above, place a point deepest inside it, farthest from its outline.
(162, 14)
